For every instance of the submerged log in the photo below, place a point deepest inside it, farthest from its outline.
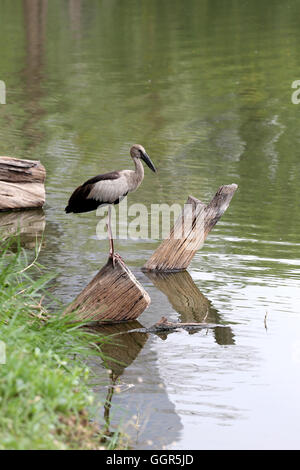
(190, 231)
(21, 184)
(114, 295)
(163, 325)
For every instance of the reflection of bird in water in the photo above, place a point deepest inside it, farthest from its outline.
(118, 354)
(107, 405)
(110, 188)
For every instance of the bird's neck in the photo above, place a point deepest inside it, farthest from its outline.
(139, 170)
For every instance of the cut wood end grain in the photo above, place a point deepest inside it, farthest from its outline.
(113, 295)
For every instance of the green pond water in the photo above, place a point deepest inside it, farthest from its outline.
(205, 87)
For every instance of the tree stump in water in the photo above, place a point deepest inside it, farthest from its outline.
(190, 231)
(114, 295)
(21, 184)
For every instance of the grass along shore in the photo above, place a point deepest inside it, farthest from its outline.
(44, 393)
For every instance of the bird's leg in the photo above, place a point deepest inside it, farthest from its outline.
(111, 241)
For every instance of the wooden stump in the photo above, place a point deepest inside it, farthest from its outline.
(114, 295)
(21, 184)
(190, 231)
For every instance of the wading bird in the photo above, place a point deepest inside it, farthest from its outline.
(110, 188)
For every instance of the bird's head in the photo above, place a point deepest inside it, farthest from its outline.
(138, 151)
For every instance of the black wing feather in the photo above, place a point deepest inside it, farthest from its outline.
(113, 175)
(79, 201)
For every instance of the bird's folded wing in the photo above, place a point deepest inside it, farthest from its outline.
(109, 191)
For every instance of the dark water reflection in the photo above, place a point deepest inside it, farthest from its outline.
(28, 224)
(205, 86)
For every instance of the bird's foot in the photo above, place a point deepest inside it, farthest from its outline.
(115, 257)
(119, 257)
(112, 256)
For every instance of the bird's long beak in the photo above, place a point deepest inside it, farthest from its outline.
(148, 161)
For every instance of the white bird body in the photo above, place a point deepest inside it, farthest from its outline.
(110, 188)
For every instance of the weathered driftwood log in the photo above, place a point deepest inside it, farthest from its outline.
(21, 184)
(28, 224)
(114, 295)
(190, 231)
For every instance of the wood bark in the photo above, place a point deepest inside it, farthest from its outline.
(114, 295)
(21, 184)
(190, 231)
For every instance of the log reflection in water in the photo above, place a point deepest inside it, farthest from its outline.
(75, 16)
(190, 303)
(29, 224)
(119, 351)
(35, 24)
